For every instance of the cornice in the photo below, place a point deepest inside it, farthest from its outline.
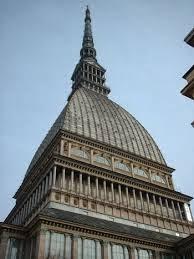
(12, 228)
(103, 234)
(102, 146)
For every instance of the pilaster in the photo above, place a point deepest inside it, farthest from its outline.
(104, 245)
(40, 244)
(74, 247)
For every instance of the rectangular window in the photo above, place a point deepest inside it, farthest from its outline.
(89, 249)
(14, 248)
(57, 245)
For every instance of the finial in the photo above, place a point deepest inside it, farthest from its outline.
(88, 51)
(87, 14)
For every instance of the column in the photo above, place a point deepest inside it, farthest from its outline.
(40, 190)
(167, 181)
(132, 170)
(69, 149)
(63, 178)
(89, 186)
(154, 199)
(24, 210)
(173, 209)
(112, 192)
(141, 199)
(190, 212)
(97, 190)
(150, 254)
(160, 201)
(80, 184)
(72, 180)
(157, 255)
(54, 175)
(134, 198)
(32, 202)
(21, 215)
(40, 244)
(167, 208)
(29, 207)
(46, 184)
(104, 245)
(91, 156)
(62, 147)
(4, 244)
(36, 196)
(148, 201)
(43, 188)
(50, 179)
(112, 163)
(179, 209)
(132, 252)
(104, 184)
(150, 174)
(120, 195)
(74, 247)
(127, 196)
(138, 253)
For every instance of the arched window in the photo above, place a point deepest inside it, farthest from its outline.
(122, 166)
(79, 152)
(101, 159)
(158, 178)
(140, 172)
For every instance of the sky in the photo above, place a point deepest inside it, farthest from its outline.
(141, 45)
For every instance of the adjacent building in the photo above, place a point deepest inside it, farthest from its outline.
(188, 90)
(98, 186)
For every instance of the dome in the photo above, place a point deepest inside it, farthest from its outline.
(92, 115)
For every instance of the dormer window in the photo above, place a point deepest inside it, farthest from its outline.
(99, 158)
(122, 166)
(140, 171)
(158, 178)
(80, 152)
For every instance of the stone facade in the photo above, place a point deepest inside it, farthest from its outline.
(98, 186)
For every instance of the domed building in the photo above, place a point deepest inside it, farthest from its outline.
(98, 186)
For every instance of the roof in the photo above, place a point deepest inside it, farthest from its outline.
(109, 226)
(188, 72)
(92, 115)
(189, 39)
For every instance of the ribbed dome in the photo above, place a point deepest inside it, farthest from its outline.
(94, 116)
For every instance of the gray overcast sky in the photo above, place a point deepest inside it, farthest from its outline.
(139, 42)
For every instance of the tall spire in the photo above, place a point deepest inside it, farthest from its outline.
(88, 50)
(88, 73)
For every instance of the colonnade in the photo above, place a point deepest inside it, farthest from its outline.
(100, 189)
(117, 193)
